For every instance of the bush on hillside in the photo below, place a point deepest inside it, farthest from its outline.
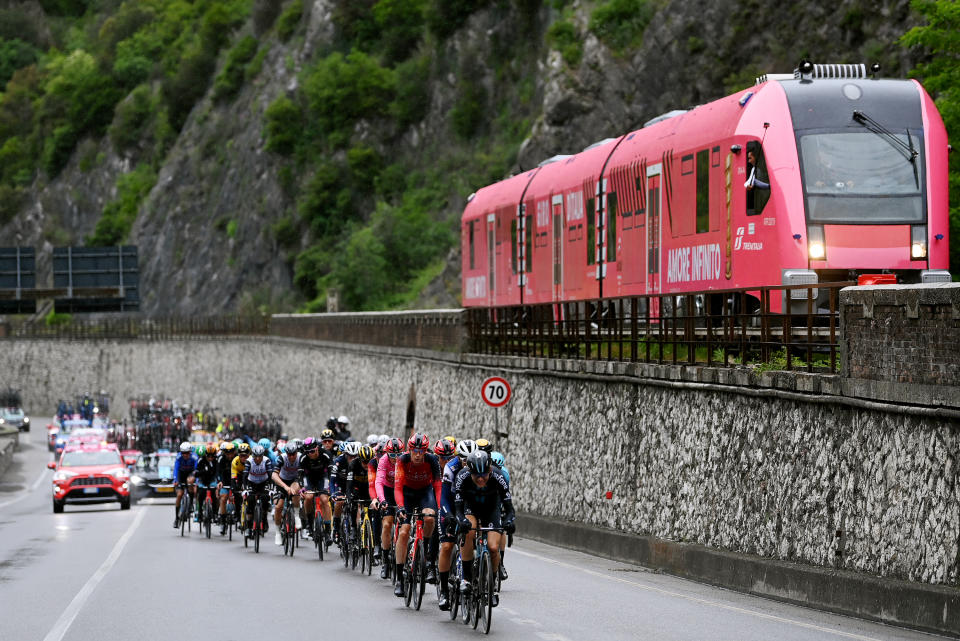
(620, 23)
(231, 78)
(289, 20)
(15, 54)
(284, 126)
(119, 215)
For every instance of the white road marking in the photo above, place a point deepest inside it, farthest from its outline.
(28, 491)
(716, 604)
(66, 619)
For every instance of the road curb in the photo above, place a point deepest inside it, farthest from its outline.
(931, 608)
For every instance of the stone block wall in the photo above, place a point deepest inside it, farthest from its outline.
(902, 343)
(771, 472)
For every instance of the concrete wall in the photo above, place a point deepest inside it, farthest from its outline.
(760, 470)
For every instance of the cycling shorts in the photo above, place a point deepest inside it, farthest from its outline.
(424, 498)
(487, 515)
(317, 486)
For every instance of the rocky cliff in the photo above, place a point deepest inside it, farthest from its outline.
(229, 223)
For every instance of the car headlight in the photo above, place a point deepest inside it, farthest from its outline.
(136, 480)
(119, 473)
(63, 475)
(2, 421)
(26, 419)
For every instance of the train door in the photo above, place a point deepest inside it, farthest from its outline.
(491, 259)
(557, 213)
(654, 235)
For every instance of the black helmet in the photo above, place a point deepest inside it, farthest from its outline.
(478, 462)
(332, 423)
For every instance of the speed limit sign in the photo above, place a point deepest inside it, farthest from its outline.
(495, 391)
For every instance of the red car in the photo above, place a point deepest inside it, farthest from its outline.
(90, 474)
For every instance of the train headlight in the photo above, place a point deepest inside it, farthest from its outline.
(918, 242)
(816, 244)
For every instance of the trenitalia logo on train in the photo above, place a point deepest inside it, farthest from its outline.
(818, 176)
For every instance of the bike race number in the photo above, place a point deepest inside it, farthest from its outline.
(496, 392)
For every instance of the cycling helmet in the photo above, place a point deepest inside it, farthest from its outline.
(371, 439)
(331, 422)
(444, 448)
(485, 445)
(382, 440)
(298, 443)
(185, 447)
(258, 450)
(237, 442)
(394, 447)
(465, 448)
(201, 450)
(452, 439)
(291, 447)
(366, 453)
(311, 445)
(343, 420)
(340, 447)
(351, 448)
(243, 448)
(418, 442)
(227, 447)
(479, 462)
(264, 443)
(326, 435)
(284, 437)
(497, 459)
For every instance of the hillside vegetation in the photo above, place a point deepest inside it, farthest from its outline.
(264, 152)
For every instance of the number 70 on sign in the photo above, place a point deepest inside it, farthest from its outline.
(496, 391)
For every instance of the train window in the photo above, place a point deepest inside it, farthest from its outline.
(757, 197)
(528, 254)
(591, 231)
(612, 227)
(703, 191)
(513, 245)
(472, 254)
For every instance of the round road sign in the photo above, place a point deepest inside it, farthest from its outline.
(496, 392)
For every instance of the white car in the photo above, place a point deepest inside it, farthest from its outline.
(14, 417)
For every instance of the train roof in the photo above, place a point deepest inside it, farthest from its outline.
(501, 194)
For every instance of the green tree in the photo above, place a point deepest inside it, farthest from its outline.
(15, 54)
(941, 77)
(400, 23)
(119, 215)
(621, 23)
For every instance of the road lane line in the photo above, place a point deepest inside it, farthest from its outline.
(28, 492)
(66, 619)
(716, 604)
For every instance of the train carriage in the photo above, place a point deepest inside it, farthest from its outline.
(818, 176)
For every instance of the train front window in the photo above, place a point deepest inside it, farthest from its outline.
(861, 177)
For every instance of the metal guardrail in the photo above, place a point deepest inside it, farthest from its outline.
(142, 328)
(715, 328)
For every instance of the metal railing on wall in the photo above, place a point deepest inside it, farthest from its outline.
(169, 328)
(785, 327)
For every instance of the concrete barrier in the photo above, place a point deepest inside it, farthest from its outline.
(9, 442)
(930, 608)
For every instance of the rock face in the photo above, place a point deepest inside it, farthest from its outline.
(204, 231)
(813, 481)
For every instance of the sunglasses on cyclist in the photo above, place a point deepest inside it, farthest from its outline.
(244, 453)
(312, 450)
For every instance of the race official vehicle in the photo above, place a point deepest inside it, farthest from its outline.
(90, 474)
(153, 474)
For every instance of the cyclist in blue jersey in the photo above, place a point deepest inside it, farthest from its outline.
(183, 469)
(448, 521)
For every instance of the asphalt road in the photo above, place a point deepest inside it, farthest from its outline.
(95, 572)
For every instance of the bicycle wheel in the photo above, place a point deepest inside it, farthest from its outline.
(467, 607)
(368, 547)
(318, 536)
(485, 594)
(207, 515)
(291, 531)
(345, 541)
(454, 587)
(257, 522)
(419, 576)
(184, 513)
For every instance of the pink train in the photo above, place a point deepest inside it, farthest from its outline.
(822, 175)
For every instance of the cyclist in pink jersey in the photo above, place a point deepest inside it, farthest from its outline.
(386, 469)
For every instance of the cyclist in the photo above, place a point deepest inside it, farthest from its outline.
(207, 475)
(343, 428)
(314, 469)
(228, 454)
(256, 474)
(417, 484)
(499, 462)
(358, 486)
(338, 483)
(183, 469)
(372, 464)
(448, 521)
(285, 477)
(480, 493)
(267, 446)
(328, 442)
(386, 499)
(372, 440)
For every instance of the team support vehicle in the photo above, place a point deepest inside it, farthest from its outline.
(90, 474)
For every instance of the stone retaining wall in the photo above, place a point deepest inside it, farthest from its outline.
(761, 470)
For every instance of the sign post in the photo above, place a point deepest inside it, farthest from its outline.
(496, 393)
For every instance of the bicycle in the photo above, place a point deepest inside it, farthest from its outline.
(288, 526)
(415, 567)
(258, 525)
(346, 532)
(365, 544)
(206, 513)
(186, 509)
(230, 515)
(456, 574)
(478, 607)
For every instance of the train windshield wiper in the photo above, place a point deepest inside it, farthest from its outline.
(907, 149)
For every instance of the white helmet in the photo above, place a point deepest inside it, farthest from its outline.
(383, 439)
(185, 446)
(372, 439)
(466, 447)
(351, 448)
(343, 420)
